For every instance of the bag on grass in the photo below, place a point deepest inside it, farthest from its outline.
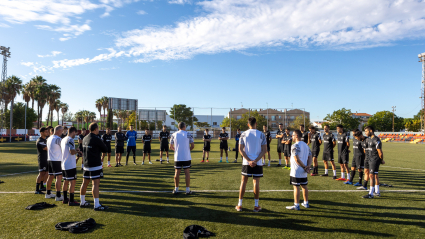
(196, 231)
(76, 227)
(40, 205)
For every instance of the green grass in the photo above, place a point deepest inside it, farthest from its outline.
(163, 215)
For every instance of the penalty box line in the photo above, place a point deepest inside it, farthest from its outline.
(236, 191)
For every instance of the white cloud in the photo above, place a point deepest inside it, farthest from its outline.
(141, 12)
(27, 63)
(54, 53)
(4, 25)
(56, 12)
(75, 62)
(179, 1)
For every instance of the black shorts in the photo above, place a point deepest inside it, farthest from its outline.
(374, 166)
(268, 147)
(280, 148)
(55, 168)
(93, 174)
(358, 162)
(328, 156)
(287, 152)
(223, 145)
(70, 174)
(249, 171)
(119, 149)
(315, 153)
(164, 147)
(182, 164)
(42, 165)
(131, 148)
(343, 159)
(147, 149)
(298, 181)
(109, 149)
(366, 164)
(207, 148)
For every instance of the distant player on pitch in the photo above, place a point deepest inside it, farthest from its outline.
(269, 140)
(131, 136)
(223, 137)
(207, 145)
(358, 157)
(42, 160)
(287, 142)
(120, 138)
(343, 152)
(164, 135)
(237, 137)
(147, 139)
(107, 138)
(69, 167)
(328, 151)
(376, 158)
(279, 136)
(316, 140)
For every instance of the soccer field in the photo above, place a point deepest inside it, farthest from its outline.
(142, 206)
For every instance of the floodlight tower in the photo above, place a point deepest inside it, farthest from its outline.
(422, 59)
(5, 53)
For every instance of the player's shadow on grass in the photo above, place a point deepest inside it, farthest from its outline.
(411, 178)
(9, 168)
(178, 208)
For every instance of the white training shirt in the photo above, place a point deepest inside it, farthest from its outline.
(181, 141)
(303, 151)
(252, 139)
(54, 148)
(69, 161)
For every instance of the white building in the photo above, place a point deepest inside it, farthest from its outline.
(214, 121)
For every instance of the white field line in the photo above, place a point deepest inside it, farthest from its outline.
(18, 173)
(403, 168)
(235, 191)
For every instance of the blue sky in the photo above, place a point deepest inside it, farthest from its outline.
(321, 55)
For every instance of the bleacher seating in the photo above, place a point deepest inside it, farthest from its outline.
(406, 138)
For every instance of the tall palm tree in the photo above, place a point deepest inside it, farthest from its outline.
(26, 93)
(86, 117)
(13, 86)
(57, 108)
(92, 116)
(34, 83)
(64, 109)
(41, 97)
(54, 94)
(99, 107)
(105, 105)
(79, 117)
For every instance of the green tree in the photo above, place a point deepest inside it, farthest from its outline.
(12, 87)
(383, 121)
(299, 121)
(19, 117)
(242, 123)
(413, 125)
(342, 116)
(202, 124)
(109, 119)
(132, 119)
(182, 113)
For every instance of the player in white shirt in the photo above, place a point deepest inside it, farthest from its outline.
(54, 160)
(69, 166)
(252, 146)
(300, 167)
(182, 143)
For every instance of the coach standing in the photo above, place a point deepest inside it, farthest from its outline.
(252, 146)
(182, 143)
(93, 146)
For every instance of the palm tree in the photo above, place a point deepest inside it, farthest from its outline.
(34, 83)
(57, 107)
(64, 109)
(41, 97)
(54, 94)
(105, 104)
(13, 86)
(99, 107)
(26, 93)
(79, 117)
(92, 116)
(86, 117)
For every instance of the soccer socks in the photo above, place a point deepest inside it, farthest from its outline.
(334, 171)
(371, 190)
(71, 197)
(134, 158)
(240, 202)
(49, 192)
(221, 158)
(169, 159)
(177, 189)
(58, 194)
(280, 161)
(360, 177)
(305, 202)
(37, 187)
(326, 171)
(353, 173)
(126, 160)
(65, 195)
(342, 175)
(365, 183)
(256, 202)
(109, 163)
(187, 189)
(348, 177)
(96, 203)
(82, 199)
(377, 188)
(317, 169)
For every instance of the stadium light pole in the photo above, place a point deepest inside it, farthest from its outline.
(422, 60)
(393, 116)
(267, 115)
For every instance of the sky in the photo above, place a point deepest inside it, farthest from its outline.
(321, 55)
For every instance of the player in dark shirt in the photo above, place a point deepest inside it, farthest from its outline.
(65, 132)
(164, 135)
(343, 152)
(147, 139)
(120, 138)
(358, 157)
(304, 134)
(207, 145)
(237, 137)
(328, 151)
(223, 137)
(42, 160)
(279, 136)
(315, 140)
(376, 158)
(107, 138)
(269, 140)
(287, 142)
(80, 143)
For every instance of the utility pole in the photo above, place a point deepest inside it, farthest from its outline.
(393, 116)
(422, 60)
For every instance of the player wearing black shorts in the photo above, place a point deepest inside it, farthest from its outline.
(328, 151)
(287, 142)
(315, 140)
(107, 138)
(164, 135)
(269, 140)
(120, 138)
(42, 160)
(343, 152)
(54, 159)
(147, 139)
(279, 136)
(376, 158)
(207, 146)
(359, 156)
(223, 137)
(80, 143)
(305, 135)
(237, 137)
